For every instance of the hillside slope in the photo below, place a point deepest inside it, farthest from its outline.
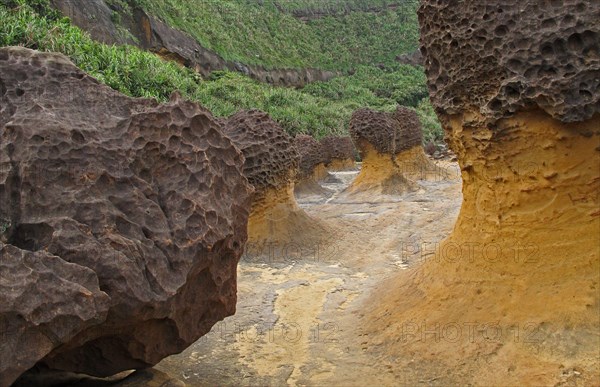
(354, 32)
(321, 108)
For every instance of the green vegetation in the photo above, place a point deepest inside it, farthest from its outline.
(255, 32)
(319, 109)
(334, 7)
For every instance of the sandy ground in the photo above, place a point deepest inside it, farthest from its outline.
(299, 305)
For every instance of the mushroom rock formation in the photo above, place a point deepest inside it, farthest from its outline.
(381, 139)
(340, 154)
(311, 167)
(121, 222)
(271, 166)
(516, 86)
(390, 145)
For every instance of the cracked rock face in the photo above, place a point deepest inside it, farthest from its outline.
(271, 158)
(387, 133)
(122, 222)
(503, 56)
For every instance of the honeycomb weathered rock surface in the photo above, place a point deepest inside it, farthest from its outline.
(515, 84)
(387, 133)
(122, 222)
(271, 158)
(339, 152)
(503, 56)
(311, 154)
(271, 166)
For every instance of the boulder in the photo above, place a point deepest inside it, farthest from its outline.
(311, 167)
(122, 222)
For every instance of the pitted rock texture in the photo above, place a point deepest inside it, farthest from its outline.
(310, 153)
(498, 57)
(271, 158)
(122, 222)
(338, 148)
(505, 76)
(387, 133)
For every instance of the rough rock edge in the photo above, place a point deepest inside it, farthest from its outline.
(54, 120)
(490, 62)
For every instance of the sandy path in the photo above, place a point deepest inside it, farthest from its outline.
(298, 306)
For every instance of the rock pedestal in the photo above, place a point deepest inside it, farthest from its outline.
(339, 153)
(311, 167)
(511, 296)
(390, 145)
(271, 167)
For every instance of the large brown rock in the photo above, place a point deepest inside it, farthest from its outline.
(513, 290)
(122, 222)
(312, 157)
(387, 133)
(311, 154)
(513, 56)
(271, 158)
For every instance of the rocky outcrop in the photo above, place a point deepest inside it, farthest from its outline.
(516, 283)
(271, 167)
(390, 146)
(311, 167)
(95, 17)
(122, 222)
(150, 33)
(340, 154)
